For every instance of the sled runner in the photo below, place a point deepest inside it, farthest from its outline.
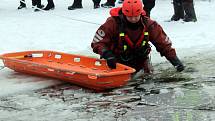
(81, 70)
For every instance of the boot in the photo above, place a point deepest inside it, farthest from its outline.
(190, 15)
(148, 5)
(178, 11)
(109, 4)
(22, 4)
(34, 3)
(96, 4)
(39, 6)
(77, 4)
(50, 5)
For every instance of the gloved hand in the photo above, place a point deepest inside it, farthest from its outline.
(180, 68)
(177, 64)
(111, 60)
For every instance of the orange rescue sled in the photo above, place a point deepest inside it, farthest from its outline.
(81, 70)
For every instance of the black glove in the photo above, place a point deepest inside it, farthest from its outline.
(111, 60)
(177, 64)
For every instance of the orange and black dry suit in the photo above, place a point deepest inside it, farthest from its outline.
(130, 42)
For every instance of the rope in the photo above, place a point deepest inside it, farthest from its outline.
(68, 18)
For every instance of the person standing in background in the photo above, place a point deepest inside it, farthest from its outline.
(184, 9)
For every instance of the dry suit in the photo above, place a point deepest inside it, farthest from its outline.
(129, 42)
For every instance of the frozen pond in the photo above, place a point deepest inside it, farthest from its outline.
(163, 96)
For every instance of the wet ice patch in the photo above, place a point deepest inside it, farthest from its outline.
(210, 90)
(163, 91)
(178, 92)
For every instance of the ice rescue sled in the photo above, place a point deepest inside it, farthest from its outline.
(81, 70)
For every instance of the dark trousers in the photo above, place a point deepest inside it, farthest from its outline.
(34, 3)
(148, 5)
(184, 9)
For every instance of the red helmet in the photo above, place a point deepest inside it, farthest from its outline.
(132, 7)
